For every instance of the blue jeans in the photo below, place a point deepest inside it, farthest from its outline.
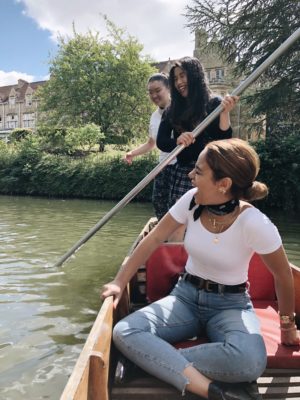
(236, 351)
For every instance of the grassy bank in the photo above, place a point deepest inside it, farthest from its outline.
(26, 170)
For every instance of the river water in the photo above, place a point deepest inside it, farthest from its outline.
(47, 312)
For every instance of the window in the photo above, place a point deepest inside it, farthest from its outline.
(28, 100)
(208, 74)
(12, 100)
(220, 74)
(28, 120)
(11, 124)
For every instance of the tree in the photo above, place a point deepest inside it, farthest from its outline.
(248, 31)
(100, 81)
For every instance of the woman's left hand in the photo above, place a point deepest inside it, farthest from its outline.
(290, 336)
(229, 102)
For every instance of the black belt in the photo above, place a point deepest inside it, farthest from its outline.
(210, 286)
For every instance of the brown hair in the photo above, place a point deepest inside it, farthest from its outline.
(237, 160)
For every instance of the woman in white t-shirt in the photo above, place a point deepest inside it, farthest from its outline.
(223, 231)
(159, 93)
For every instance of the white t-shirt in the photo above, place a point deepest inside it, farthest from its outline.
(227, 261)
(153, 130)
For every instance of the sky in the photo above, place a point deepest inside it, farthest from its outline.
(29, 30)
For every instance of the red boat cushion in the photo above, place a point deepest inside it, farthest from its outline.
(279, 356)
(168, 261)
(163, 269)
(261, 280)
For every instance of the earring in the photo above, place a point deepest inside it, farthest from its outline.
(222, 190)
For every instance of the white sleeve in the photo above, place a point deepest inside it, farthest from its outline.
(180, 210)
(154, 125)
(261, 234)
(152, 129)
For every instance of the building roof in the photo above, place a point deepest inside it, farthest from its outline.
(20, 90)
(164, 66)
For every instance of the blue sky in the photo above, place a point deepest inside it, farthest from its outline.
(27, 47)
(31, 28)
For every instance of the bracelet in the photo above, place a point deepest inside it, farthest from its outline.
(294, 328)
(287, 319)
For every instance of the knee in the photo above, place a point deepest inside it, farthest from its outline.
(253, 358)
(124, 329)
(120, 331)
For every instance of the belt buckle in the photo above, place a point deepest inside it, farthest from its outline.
(206, 286)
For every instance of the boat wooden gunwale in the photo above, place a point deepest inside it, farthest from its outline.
(93, 375)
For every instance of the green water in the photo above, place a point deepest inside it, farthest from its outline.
(47, 312)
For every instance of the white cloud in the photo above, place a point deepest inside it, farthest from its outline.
(157, 24)
(11, 78)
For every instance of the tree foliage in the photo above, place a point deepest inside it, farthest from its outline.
(101, 81)
(248, 31)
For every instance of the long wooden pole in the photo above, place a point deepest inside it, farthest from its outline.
(236, 92)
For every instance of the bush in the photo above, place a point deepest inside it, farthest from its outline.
(32, 172)
(280, 170)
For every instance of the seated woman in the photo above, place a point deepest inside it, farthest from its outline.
(223, 232)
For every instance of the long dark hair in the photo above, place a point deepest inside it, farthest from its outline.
(186, 113)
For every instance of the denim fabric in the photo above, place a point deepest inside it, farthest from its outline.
(236, 351)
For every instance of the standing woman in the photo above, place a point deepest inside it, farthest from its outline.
(159, 93)
(191, 102)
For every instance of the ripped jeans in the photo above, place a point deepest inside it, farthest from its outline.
(236, 351)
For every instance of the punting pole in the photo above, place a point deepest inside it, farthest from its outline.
(236, 92)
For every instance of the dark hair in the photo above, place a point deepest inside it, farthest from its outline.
(159, 77)
(237, 160)
(187, 112)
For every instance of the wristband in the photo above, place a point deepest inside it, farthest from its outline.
(287, 319)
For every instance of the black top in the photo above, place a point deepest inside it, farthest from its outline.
(167, 135)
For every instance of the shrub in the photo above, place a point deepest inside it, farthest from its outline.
(280, 170)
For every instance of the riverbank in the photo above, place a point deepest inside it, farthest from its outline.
(25, 169)
(97, 176)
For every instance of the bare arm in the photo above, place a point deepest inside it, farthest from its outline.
(279, 265)
(228, 103)
(159, 234)
(138, 151)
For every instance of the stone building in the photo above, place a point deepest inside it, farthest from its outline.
(18, 106)
(219, 73)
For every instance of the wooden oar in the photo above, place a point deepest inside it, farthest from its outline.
(236, 92)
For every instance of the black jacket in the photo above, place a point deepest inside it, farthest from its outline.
(167, 135)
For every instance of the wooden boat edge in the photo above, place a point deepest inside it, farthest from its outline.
(81, 384)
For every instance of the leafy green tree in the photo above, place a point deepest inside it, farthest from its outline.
(248, 31)
(100, 81)
(19, 134)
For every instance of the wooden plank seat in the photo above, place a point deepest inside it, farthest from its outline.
(281, 379)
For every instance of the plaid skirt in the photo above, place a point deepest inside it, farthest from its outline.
(180, 182)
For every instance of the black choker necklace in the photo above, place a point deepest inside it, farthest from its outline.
(217, 209)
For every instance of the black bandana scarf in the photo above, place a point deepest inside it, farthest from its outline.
(217, 209)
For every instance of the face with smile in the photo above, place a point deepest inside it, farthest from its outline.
(181, 81)
(209, 191)
(159, 94)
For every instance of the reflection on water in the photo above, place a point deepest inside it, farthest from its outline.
(46, 312)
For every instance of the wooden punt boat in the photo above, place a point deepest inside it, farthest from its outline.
(100, 374)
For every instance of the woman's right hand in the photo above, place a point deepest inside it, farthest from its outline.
(128, 158)
(112, 288)
(186, 138)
